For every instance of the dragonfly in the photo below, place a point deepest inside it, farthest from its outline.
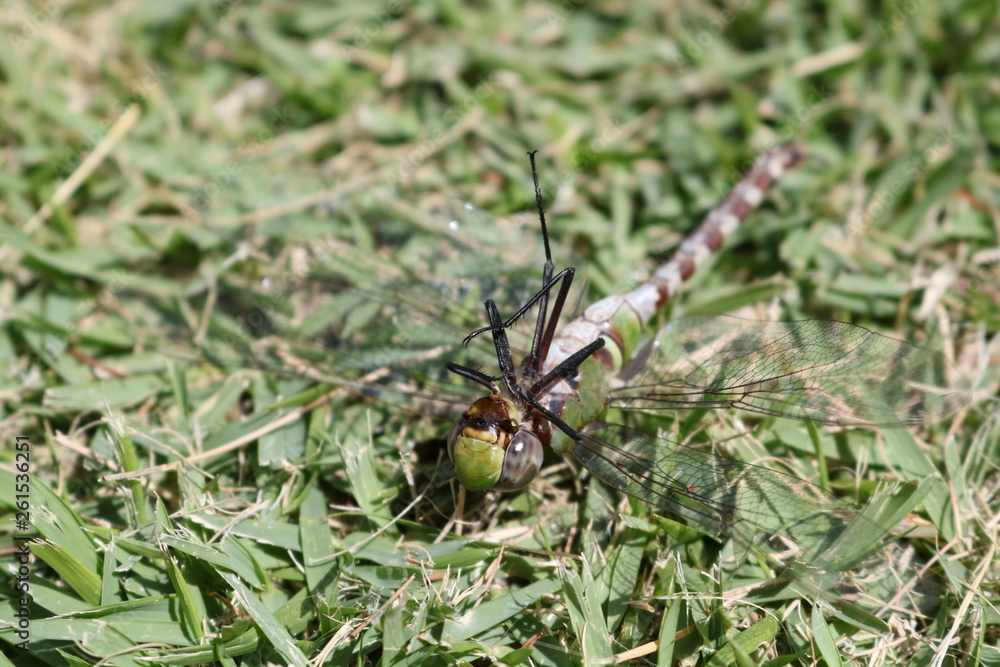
(558, 398)
(822, 371)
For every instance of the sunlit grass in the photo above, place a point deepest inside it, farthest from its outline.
(188, 190)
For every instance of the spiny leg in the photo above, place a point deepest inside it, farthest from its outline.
(544, 334)
(545, 326)
(565, 280)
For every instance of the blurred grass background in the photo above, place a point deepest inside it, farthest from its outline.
(161, 158)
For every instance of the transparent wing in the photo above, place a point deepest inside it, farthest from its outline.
(370, 290)
(819, 370)
(796, 522)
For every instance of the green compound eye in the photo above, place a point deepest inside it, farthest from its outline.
(478, 463)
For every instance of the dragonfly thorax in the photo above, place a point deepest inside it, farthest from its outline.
(492, 447)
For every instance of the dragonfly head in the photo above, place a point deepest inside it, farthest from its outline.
(491, 448)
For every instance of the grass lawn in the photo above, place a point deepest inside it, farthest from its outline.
(240, 240)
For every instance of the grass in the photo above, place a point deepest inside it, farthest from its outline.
(181, 179)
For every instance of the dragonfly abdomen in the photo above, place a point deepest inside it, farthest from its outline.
(720, 223)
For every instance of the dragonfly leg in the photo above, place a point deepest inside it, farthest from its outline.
(545, 326)
(541, 208)
(566, 368)
(570, 432)
(564, 277)
(544, 334)
(504, 358)
(474, 375)
(542, 339)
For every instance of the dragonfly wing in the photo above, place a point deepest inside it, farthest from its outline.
(819, 370)
(374, 290)
(751, 504)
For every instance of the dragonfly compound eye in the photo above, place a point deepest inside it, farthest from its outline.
(453, 436)
(523, 459)
(475, 450)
